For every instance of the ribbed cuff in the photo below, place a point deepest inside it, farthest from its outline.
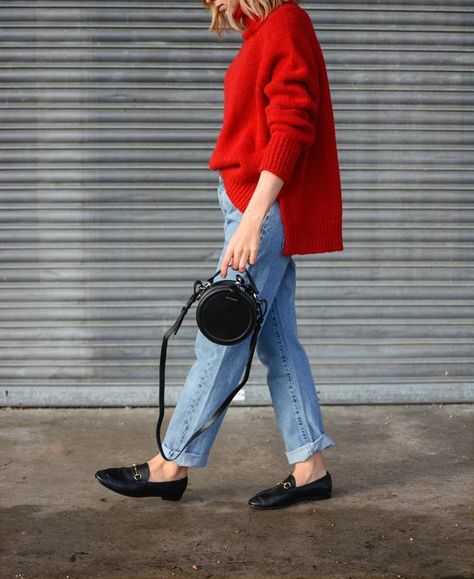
(280, 156)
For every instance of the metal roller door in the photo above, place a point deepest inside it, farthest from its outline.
(109, 112)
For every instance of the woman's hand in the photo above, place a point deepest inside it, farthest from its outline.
(243, 245)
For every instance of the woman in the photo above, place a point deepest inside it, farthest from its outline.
(280, 194)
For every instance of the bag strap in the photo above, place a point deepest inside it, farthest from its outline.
(173, 330)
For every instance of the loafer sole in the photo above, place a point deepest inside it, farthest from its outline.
(263, 508)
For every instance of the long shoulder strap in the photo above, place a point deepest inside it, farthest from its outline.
(173, 330)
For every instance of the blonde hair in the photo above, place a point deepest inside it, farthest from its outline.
(260, 9)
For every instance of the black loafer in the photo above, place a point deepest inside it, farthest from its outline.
(286, 493)
(133, 482)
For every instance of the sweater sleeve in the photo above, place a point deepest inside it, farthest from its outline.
(292, 96)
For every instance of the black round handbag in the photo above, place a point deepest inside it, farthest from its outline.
(228, 311)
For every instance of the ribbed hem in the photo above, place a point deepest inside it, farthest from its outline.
(303, 452)
(321, 236)
(280, 156)
(318, 237)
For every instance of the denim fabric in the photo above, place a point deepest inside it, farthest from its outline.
(218, 368)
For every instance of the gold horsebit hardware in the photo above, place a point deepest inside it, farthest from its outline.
(136, 474)
(286, 485)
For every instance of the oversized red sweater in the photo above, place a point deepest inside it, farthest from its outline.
(278, 116)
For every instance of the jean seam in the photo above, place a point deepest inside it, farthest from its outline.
(297, 403)
(194, 402)
(283, 236)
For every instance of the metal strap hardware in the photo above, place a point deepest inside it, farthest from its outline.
(136, 474)
(286, 485)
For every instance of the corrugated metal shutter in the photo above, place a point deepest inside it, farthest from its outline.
(109, 112)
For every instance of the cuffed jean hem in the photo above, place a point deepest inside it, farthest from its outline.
(303, 452)
(185, 458)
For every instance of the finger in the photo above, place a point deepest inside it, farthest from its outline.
(237, 259)
(223, 270)
(243, 262)
(253, 256)
(225, 263)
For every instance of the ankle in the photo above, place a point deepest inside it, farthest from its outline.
(303, 477)
(168, 466)
(311, 467)
(309, 474)
(173, 469)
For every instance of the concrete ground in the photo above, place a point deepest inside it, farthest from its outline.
(401, 504)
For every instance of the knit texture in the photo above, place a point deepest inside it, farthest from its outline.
(278, 117)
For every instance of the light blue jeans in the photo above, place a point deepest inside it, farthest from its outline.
(219, 368)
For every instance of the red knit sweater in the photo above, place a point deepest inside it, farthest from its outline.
(278, 116)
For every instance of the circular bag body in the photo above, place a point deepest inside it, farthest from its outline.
(226, 314)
